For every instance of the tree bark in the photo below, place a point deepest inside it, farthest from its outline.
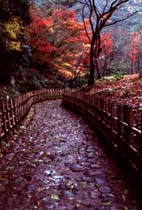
(94, 54)
(92, 66)
(97, 69)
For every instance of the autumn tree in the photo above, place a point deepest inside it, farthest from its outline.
(139, 53)
(59, 42)
(14, 16)
(106, 56)
(135, 51)
(100, 15)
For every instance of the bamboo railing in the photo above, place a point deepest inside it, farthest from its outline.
(13, 110)
(120, 124)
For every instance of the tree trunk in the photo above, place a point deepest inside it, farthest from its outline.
(97, 69)
(92, 66)
(94, 55)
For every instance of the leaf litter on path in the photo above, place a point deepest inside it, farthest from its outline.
(52, 166)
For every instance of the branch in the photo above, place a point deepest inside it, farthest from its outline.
(117, 3)
(83, 17)
(105, 6)
(96, 11)
(123, 19)
(90, 18)
(83, 3)
(113, 7)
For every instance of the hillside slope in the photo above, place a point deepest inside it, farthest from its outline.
(127, 89)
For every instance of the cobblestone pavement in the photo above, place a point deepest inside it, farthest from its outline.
(58, 163)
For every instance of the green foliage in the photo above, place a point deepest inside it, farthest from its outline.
(12, 31)
(12, 28)
(113, 77)
(33, 84)
(118, 76)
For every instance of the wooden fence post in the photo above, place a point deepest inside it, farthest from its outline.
(119, 139)
(4, 120)
(8, 111)
(129, 121)
(102, 109)
(12, 116)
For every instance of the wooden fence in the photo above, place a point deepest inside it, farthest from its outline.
(13, 110)
(121, 125)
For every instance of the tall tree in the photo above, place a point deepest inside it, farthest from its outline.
(58, 40)
(100, 15)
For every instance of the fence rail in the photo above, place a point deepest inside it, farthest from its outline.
(120, 124)
(13, 110)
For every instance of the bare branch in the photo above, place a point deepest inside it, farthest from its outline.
(105, 6)
(83, 3)
(113, 7)
(83, 17)
(120, 20)
(117, 3)
(96, 10)
(90, 19)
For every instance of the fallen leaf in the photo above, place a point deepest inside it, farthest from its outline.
(1, 155)
(55, 197)
(107, 203)
(125, 207)
(77, 205)
(124, 197)
(84, 185)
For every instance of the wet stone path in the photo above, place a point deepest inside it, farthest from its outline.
(58, 163)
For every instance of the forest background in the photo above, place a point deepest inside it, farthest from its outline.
(45, 44)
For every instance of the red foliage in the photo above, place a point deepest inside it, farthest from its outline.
(106, 48)
(45, 47)
(134, 51)
(64, 14)
(36, 33)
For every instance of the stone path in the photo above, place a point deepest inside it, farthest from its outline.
(58, 163)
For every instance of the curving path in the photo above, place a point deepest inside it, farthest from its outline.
(58, 163)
